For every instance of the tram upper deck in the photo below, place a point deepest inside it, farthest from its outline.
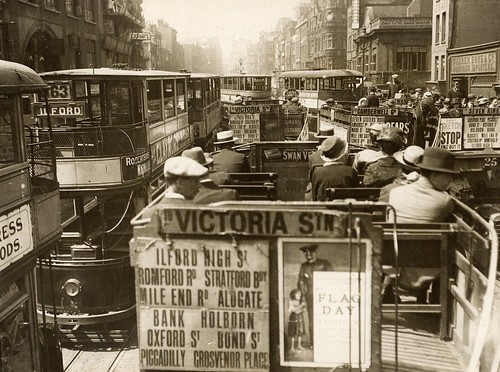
(249, 87)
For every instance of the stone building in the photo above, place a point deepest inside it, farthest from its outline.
(53, 34)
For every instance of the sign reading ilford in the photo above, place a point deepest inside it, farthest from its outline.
(59, 109)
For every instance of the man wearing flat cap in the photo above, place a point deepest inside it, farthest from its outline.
(306, 281)
(183, 177)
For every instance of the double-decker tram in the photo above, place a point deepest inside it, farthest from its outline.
(317, 88)
(113, 131)
(204, 101)
(248, 87)
(29, 221)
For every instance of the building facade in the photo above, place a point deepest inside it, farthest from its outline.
(53, 34)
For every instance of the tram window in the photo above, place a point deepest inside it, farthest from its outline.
(154, 100)
(312, 84)
(119, 103)
(180, 95)
(248, 83)
(8, 141)
(259, 84)
(168, 98)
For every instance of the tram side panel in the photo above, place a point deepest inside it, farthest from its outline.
(214, 286)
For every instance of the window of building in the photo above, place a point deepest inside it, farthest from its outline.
(89, 11)
(373, 63)
(436, 68)
(437, 28)
(443, 27)
(443, 68)
(330, 41)
(52, 4)
(411, 58)
(91, 51)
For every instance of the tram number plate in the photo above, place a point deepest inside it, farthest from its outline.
(491, 162)
(60, 91)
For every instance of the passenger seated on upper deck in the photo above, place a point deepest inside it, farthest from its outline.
(210, 192)
(228, 160)
(384, 168)
(407, 158)
(182, 176)
(426, 200)
(315, 159)
(373, 100)
(334, 172)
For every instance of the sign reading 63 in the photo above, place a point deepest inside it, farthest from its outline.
(60, 91)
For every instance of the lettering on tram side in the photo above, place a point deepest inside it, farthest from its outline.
(288, 154)
(246, 127)
(203, 305)
(135, 166)
(16, 238)
(451, 133)
(169, 146)
(331, 298)
(481, 132)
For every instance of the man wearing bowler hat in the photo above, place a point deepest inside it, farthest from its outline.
(228, 160)
(306, 281)
(426, 199)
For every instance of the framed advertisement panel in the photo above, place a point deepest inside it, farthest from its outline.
(325, 300)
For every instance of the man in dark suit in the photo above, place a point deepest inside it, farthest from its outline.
(456, 91)
(228, 160)
(373, 100)
(333, 173)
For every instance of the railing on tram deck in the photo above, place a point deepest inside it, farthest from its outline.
(42, 160)
(98, 141)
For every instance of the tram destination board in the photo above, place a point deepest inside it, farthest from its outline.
(214, 285)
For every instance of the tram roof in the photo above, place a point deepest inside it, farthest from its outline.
(248, 75)
(18, 78)
(320, 73)
(106, 72)
(203, 75)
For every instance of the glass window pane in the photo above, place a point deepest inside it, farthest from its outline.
(7, 139)
(154, 100)
(168, 98)
(181, 96)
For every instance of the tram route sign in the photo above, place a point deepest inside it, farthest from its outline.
(481, 132)
(59, 109)
(203, 305)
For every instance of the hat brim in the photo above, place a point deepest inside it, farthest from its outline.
(437, 169)
(399, 156)
(234, 139)
(210, 161)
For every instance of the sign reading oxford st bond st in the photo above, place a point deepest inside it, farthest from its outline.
(203, 291)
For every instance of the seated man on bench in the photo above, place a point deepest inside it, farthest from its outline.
(425, 201)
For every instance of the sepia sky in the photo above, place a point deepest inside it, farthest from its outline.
(224, 19)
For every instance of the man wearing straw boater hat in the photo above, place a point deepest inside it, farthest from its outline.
(228, 160)
(426, 199)
(333, 173)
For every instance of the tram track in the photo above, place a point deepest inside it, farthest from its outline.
(103, 357)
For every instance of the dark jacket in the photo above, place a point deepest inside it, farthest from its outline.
(331, 175)
(230, 161)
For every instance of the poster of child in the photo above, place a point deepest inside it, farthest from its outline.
(296, 324)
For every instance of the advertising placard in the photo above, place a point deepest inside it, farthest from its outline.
(450, 133)
(359, 134)
(292, 124)
(204, 305)
(325, 301)
(481, 132)
(17, 236)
